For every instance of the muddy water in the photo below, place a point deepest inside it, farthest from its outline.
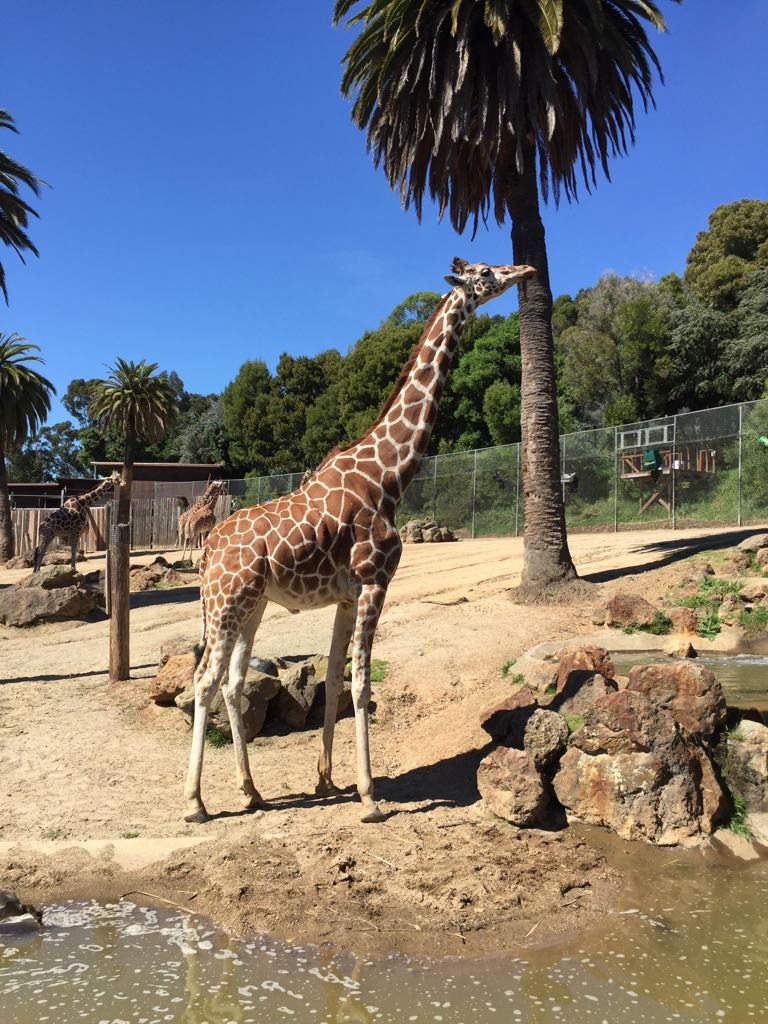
(743, 677)
(693, 951)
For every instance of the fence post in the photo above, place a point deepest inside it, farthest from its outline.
(119, 600)
(517, 493)
(674, 460)
(738, 499)
(615, 479)
(474, 491)
(434, 489)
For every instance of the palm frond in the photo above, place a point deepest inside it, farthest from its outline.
(133, 398)
(25, 394)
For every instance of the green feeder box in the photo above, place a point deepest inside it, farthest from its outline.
(652, 460)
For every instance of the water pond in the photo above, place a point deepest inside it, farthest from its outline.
(743, 677)
(694, 951)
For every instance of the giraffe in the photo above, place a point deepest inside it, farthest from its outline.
(332, 541)
(200, 519)
(69, 521)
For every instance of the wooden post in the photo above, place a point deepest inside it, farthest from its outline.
(119, 601)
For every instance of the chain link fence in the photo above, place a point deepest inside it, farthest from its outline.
(707, 468)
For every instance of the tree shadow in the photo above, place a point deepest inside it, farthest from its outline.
(671, 551)
(174, 595)
(68, 675)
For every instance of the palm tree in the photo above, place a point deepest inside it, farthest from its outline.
(25, 400)
(137, 402)
(481, 103)
(14, 211)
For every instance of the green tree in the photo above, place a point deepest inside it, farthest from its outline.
(244, 404)
(25, 400)
(14, 211)
(50, 453)
(478, 104)
(746, 355)
(419, 307)
(722, 256)
(698, 341)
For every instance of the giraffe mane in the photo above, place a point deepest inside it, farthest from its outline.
(396, 389)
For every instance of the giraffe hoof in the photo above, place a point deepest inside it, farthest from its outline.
(198, 817)
(326, 788)
(254, 803)
(372, 814)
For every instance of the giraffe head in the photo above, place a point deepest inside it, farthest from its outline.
(215, 488)
(114, 477)
(482, 281)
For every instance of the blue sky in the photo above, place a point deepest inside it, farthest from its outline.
(212, 202)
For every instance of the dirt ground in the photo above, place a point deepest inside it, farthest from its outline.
(91, 775)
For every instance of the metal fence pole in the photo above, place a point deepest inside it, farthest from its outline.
(738, 497)
(474, 491)
(615, 479)
(434, 489)
(674, 460)
(517, 493)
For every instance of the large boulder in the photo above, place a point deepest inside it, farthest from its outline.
(27, 560)
(630, 768)
(258, 691)
(545, 738)
(624, 610)
(746, 765)
(684, 620)
(17, 918)
(585, 673)
(55, 592)
(583, 660)
(299, 686)
(420, 531)
(754, 589)
(512, 788)
(753, 543)
(510, 716)
(174, 671)
(688, 690)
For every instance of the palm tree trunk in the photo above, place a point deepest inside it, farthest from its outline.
(6, 519)
(547, 559)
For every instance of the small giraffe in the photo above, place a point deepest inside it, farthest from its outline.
(332, 541)
(200, 519)
(68, 522)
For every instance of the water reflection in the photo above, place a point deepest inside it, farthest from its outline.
(743, 677)
(693, 952)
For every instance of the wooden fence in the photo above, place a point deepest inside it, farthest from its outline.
(153, 524)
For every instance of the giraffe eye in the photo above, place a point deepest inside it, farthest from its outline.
(485, 272)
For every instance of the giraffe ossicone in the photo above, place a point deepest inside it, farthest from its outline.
(332, 541)
(68, 522)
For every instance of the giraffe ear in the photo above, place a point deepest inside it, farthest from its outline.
(458, 265)
(456, 282)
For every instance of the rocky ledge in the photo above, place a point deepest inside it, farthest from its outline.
(656, 756)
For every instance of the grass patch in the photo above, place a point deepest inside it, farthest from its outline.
(753, 621)
(507, 666)
(720, 588)
(52, 833)
(551, 689)
(379, 670)
(660, 626)
(215, 737)
(129, 835)
(709, 625)
(573, 722)
(517, 679)
(738, 823)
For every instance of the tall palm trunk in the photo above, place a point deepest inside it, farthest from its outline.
(547, 559)
(6, 520)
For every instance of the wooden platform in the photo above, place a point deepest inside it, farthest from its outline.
(691, 460)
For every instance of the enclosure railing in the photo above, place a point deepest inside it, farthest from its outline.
(706, 468)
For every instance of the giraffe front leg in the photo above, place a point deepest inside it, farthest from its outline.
(40, 550)
(343, 627)
(74, 540)
(233, 689)
(369, 606)
(207, 677)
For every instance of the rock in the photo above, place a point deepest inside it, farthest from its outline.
(761, 556)
(746, 765)
(258, 691)
(174, 675)
(583, 658)
(580, 692)
(679, 647)
(11, 906)
(630, 769)
(754, 543)
(418, 531)
(298, 690)
(625, 610)
(545, 737)
(684, 620)
(730, 609)
(690, 692)
(706, 570)
(26, 561)
(20, 925)
(56, 592)
(736, 845)
(269, 666)
(510, 716)
(512, 787)
(753, 589)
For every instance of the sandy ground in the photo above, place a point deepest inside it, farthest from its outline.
(91, 774)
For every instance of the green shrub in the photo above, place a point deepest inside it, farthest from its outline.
(507, 666)
(709, 625)
(738, 822)
(215, 737)
(378, 670)
(753, 621)
(661, 625)
(573, 722)
(711, 585)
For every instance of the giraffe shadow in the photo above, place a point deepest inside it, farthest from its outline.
(177, 595)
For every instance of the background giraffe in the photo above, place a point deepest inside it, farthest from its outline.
(332, 541)
(200, 519)
(68, 522)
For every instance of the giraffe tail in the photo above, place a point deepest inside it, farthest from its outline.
(200, 647)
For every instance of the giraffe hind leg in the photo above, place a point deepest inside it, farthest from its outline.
(343, 627)
(40, 551)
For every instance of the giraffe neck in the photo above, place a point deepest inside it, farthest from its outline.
(92, 496)
(401, 434)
